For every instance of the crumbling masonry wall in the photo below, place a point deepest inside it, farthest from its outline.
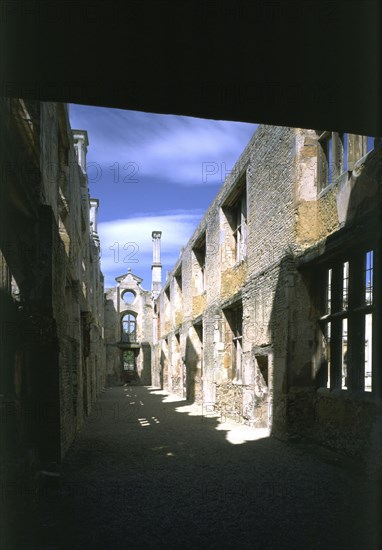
(140, 343)
(262, 368)
(51, 292)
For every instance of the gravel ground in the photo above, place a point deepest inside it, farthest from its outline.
(149, 471)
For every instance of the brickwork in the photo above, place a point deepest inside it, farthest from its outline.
(242, 322)
(51, 285)
(77, 280)
(262, 238)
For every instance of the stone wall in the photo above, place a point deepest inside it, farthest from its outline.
(275, 284)
(77, 285)
(141, 307)
(51, 294)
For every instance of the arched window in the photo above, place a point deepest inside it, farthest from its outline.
(129, 327)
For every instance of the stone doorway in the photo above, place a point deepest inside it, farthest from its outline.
(129, 366)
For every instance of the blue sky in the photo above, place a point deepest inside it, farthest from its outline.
(153, 172)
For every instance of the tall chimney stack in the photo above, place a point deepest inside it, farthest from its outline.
(156, 268)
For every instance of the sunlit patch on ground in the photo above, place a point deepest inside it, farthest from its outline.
(143, 422)
(237, 433)
(168, 398)
(199, 479)
(191, 410)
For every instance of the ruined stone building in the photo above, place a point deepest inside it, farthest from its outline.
(128, 331)
(271, 315)
(51, 289)
(131, 324)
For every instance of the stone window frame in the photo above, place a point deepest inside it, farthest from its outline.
(332, 163)
(167, 301)
(199, 252)
(338, 302)
(233, 336)
(324, 157)
(176, 360)
(198, 328)
(128, 291)
(369, 143)
(357, 147)
(177, 296)
(343, 151)
(361, 146)
(178, 287)
(125, 335)
(235, 211)
(156, 323)
(241, 229)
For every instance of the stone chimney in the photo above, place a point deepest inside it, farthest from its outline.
(81, 142)
(156, 268)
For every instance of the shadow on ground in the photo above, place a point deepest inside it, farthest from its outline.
(144, 474)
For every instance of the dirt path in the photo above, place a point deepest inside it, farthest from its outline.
(148, 471)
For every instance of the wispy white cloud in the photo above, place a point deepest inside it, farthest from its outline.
(127, 243)
(180, 151)
(172, 147)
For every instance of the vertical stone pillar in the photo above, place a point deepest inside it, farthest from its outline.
(93, 216)
(81, 143)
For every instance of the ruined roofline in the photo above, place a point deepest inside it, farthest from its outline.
(201, 228)
(230, 181)
(174, 270)
(120, 277)
(226, 190)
